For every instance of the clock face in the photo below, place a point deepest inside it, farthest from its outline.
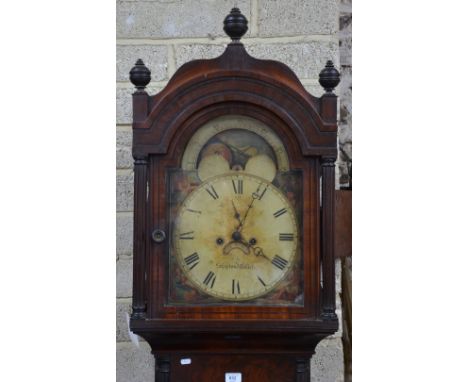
(236, 223)
(236, 236)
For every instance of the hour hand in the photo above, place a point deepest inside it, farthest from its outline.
(236, 213)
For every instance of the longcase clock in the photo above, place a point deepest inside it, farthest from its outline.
(233, 274)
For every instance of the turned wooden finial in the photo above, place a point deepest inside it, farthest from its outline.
(235, 25)
(329, 77)
(140, 75)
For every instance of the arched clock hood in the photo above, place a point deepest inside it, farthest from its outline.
(280, 338)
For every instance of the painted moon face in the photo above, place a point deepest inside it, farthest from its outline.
(217, 149)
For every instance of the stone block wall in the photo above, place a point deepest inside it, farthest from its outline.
(345, 121)
(303, 34)
(345, 153)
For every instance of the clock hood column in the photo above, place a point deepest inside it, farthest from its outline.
(329, 78)
(140, 76)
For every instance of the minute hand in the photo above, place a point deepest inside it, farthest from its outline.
(255, 196)
(241, 225)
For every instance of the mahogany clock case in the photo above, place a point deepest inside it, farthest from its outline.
(234, 84)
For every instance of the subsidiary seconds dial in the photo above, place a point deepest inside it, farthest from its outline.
(236, 237)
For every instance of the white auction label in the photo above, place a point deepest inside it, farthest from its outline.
(233, 377)
(185, 361)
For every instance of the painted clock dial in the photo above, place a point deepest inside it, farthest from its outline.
(235, 212)
(236, 236)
